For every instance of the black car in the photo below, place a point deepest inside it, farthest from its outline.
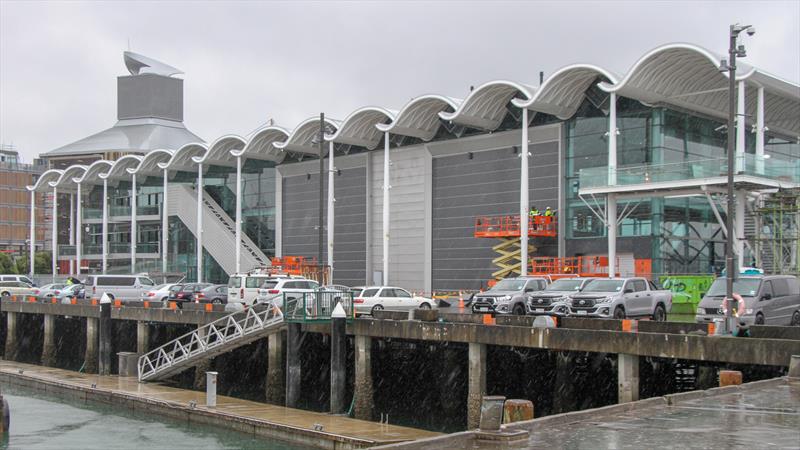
(186, 292)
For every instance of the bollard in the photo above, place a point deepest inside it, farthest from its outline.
(794, 367)
(338, 360)
(517, 410)
(211, 389)
(104, 363)
(730, 378)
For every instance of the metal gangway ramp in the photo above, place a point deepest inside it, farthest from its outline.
(210, 340)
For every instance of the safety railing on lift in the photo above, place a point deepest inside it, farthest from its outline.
(509, 226)
(212, 339)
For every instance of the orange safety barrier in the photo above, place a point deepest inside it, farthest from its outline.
(73, 301)
(53, 300)
(173, 305)
(146, 303)
(31, 299)
(209, 307)
(573, 265)
(509, 226)
(13, 298)
(94, 302)
(711, 329)
(488, 319)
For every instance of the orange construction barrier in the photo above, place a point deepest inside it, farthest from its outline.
(460, 300)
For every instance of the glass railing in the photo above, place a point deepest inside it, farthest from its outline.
(92, 213)
(66, 250)
(775, 169)
(148, 210)
(92, 249)
(117, 211)
(147, 247)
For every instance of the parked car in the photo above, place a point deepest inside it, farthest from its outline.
(507, 296)
(554, 299)
(159, 293)
(186, 292)
(769, 300)
(376, 298)
(70, 292)
(272, 290)
(620, 298)
(21, 278)
(19, 288)
(49, 290)
(243, 287)
(216, 294)
(118, 287)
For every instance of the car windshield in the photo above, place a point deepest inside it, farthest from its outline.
(604, 286)
(369, 293)
(746, 287)
(565, 284)
(234, 282)
(508, 285)
(356, 292)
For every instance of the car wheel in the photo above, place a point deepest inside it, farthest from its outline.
(5, 295)
(660, 315)
(796, 318)
(759, 319)
(619, 312)
(377, 308)
(164, 299)
(518, 310)
(424, 306)
(216, 301)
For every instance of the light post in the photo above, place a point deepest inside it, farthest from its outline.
(734, 51)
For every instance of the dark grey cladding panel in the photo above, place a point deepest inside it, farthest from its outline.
(350, 246)
(301, 216)
(487, 184)
(640, 246)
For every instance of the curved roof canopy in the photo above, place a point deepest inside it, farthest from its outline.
(688, 76)
(485, 107)
(419, 117)
(119, 169)
(43, 182)
(359, 128)
(67, 179)
(150, 161)
(301, 139)
(219, 154)
(562, 93)
(262, 144)
(93, 172)
(182, 158)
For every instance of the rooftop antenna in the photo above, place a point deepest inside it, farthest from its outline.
(541, 77)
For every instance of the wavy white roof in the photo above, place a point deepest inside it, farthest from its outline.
(678, 74)
(43, 182)
(119, 170)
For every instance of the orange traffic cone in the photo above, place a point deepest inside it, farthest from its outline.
(460, 300)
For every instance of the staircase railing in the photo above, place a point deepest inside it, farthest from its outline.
(214, 338)
(231, 227)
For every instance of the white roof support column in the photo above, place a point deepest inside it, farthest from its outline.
(740, 125)
(72, 231)
(164, 224)
(738, 226)
(386, 188)
(78, 229)
(611, 223)
(238, 214)
(612, 139)
(134, 225)
(523, 196)
(105, 225)
(760, 132)
(611, 201)
(200, 223)
(55, 233)
(32, 269)
(331, 200)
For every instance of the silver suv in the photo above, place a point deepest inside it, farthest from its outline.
(506, 297)
(554, 299)
(620, 298)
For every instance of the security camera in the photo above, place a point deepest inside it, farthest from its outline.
(751, 31)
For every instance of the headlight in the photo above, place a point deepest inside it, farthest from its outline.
(604, 300)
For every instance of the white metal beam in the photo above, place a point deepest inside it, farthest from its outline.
(523, 196)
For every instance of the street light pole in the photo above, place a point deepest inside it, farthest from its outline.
(730, 268)
(321, 201)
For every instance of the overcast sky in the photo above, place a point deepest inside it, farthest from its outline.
(246, 62)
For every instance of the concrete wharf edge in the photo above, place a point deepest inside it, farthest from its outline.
(63, 384)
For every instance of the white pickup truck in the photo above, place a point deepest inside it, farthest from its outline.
(620, 298)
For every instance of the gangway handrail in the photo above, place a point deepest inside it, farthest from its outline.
(231, 331)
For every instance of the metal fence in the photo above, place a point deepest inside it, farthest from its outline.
(315, 306)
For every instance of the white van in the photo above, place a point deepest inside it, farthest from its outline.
(118, 287)
(21, 278)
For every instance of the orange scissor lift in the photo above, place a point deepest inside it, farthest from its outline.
(508, 230)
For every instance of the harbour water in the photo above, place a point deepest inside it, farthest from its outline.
(40, 421)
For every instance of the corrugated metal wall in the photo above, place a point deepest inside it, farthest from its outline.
(486, 184)
(407, 220)
(301, 215)
(350, 225)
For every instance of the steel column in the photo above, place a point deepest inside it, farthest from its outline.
(740, 125)
(330, 208)
(134, 225)
(760, 132)
(200, 223)
(524, 207)
(164, 225)
(72, 231)
(79, 230)
(386, 188)
(55, 233)
(611, 219)
(238, 214)
(105, 225)
(32, 270)
(611, 200)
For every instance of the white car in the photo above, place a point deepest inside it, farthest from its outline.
(159, 293)
(376, 298)
(243, 287)
(272, 290)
